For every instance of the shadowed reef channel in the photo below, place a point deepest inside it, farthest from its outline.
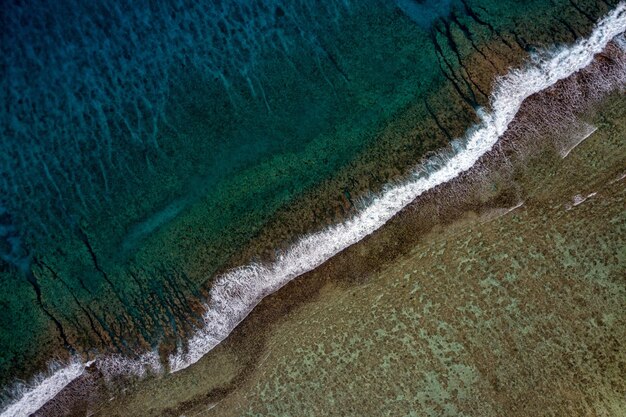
(146, 149)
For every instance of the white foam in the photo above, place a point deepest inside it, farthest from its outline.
(587, 131)
(497, 213)
(118, 365)
(578, 199)
(43, 389)
(235, 293)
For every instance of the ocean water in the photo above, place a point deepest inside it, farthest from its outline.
(145, 146)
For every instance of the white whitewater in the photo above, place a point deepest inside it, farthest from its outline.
(237, 292)
(586, 131)
(45, 388)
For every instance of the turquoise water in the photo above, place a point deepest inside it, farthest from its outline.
(143, 146)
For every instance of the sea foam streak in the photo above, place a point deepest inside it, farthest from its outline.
(237, 292)
(45, 387)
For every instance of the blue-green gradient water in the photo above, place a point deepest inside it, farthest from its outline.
(144, 144)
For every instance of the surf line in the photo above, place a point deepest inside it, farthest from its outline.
(235, 294)
(44, 389)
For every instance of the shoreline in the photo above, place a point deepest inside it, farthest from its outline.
(496, 131)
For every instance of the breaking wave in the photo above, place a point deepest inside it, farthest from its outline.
(43, 388)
